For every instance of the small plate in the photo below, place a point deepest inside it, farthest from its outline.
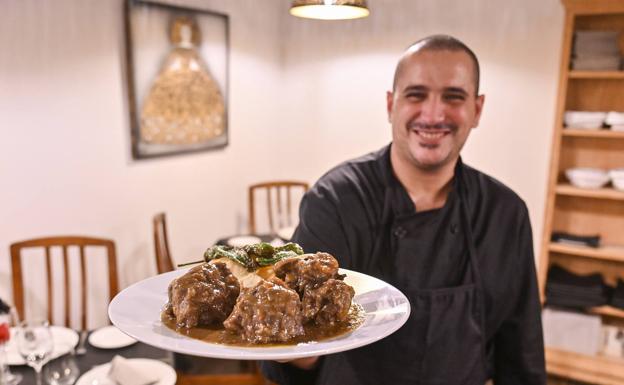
(99, 374)
(110, 337)
(243, 240)
(64, 340)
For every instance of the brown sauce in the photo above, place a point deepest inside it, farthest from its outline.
(313, 333)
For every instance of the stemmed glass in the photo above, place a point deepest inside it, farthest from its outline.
(34, 342)
(6, 377)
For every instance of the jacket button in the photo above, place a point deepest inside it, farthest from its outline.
(400, 232)
(454, 228)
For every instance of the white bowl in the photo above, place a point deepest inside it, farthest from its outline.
(617, 178)
(614, 118)
(584, 119)
(585, 177)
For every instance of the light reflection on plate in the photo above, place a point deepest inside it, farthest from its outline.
(136, 311)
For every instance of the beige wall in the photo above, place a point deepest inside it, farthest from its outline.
(336, 76)
(304, 95)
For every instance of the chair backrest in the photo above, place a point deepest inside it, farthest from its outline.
(161, 244)
(279, 203)
(64, 243)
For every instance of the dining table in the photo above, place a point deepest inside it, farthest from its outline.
(96, 356)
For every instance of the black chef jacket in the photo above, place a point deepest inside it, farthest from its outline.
(360, 213)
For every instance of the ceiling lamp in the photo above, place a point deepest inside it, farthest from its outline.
(329, 9)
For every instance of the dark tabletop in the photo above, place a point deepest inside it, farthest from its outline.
(96, 356)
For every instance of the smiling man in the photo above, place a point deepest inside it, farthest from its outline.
(455, 241)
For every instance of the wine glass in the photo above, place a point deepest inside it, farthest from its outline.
(34, 342)
(6, 377)
(62, 371)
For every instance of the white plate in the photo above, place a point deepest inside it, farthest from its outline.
(136, 311)
(64, 340)
(110, 337)
(286, 232)
(99, 374)
(243, 240)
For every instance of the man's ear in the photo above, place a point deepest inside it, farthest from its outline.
(478, 109)
(389, 103)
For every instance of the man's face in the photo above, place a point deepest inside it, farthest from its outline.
(433, 107)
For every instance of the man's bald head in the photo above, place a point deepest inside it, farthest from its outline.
(438, 43)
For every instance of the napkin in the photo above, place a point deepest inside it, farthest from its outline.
(125, 372)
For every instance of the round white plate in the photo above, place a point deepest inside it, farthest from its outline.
(286, 232)
(64, 340)
(110, 337)
(136, 311)
(243, 240)
(99, 374)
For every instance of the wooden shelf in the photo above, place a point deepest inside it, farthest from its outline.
(608, 311)
(596, 75)
(593, 369)
(601, 193)
(579, 210)
(611, 253)
(593, 133)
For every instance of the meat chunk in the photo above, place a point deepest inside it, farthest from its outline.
(205, 295)
(266, 313)
(307, 271)
(328, 303)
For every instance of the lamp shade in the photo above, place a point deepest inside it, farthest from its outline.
(329, 9)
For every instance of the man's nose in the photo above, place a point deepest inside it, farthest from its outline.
(432, 111)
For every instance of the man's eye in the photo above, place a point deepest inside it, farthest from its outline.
(415, 95)
(454, 97)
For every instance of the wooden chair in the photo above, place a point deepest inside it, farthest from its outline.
(63, 242)
(279, 203)
(164, 262)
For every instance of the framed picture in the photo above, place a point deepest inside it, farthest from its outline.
(177, 71)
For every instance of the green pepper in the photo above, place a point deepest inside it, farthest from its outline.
(290, 246)
(276, 257)
(260, 250)
(236, 254)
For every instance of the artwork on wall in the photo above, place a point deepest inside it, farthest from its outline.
(177, 70)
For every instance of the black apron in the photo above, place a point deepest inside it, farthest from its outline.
(443, 341)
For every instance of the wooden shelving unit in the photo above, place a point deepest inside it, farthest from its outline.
(596, 74)
(600, 193)
(593, 133)
(586, 211)
(612, 253)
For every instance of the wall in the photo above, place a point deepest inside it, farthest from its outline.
(336, 76)
(304, 95)
(65, 161)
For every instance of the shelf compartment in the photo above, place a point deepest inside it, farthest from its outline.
(611, 269)
(586, 151)
(595, 94)
(593, 369)
(596, 74)
(571, 132)
(611, 253)
(601, 193)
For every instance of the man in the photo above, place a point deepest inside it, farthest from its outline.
(455, 241)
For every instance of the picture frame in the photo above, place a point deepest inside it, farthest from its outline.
(177, 67)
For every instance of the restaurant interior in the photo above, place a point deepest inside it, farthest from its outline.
(91, 165)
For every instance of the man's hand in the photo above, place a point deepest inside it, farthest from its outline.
(302, 363)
